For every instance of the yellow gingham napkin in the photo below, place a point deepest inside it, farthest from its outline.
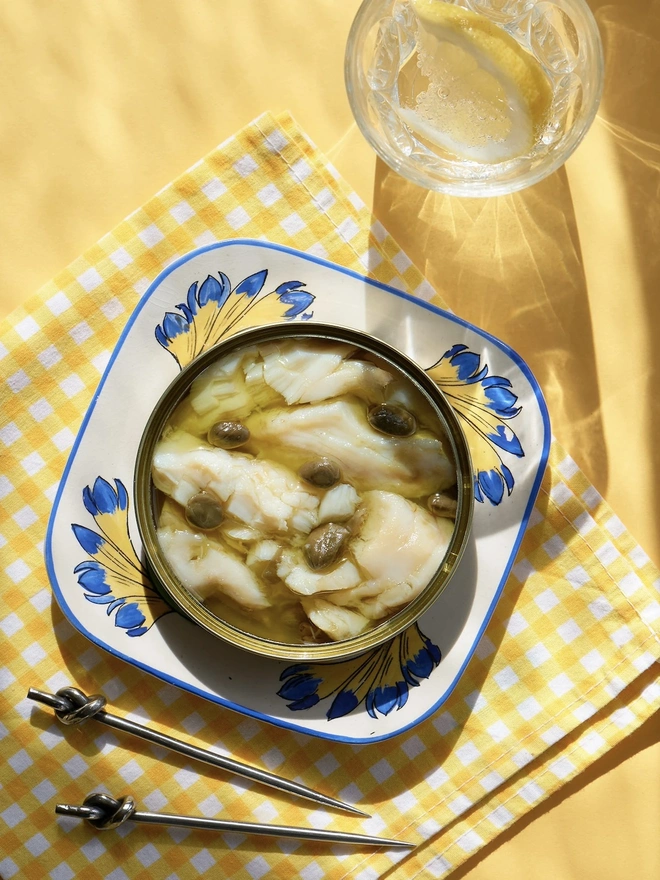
(567, 666)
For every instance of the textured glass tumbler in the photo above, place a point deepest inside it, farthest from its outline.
(383, 41)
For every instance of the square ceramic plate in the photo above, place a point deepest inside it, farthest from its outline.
(93, 549)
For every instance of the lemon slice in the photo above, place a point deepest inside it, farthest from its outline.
(487, 99)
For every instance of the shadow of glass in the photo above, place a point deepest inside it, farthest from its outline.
(512, 266)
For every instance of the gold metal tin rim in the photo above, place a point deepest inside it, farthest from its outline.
(194, 610)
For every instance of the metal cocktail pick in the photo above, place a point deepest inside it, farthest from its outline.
(104, 812)
(73, 707)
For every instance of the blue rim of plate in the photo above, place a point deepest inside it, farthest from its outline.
(243, 710)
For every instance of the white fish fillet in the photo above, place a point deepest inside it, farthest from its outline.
(298, 576)
(264, 551)
(399, 546)
(205, 568)
(232, 388)
(338, 623)
(338, 504)
(222, 381)
(309, 371)
(411, 466)
(266, 496)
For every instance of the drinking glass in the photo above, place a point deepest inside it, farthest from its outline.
(393, 92)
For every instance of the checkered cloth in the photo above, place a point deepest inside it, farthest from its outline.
(567, 666)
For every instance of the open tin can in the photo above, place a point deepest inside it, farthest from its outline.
(147, 502)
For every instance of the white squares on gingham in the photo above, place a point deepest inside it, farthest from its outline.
(531, 792)
(467, 753)
(63, 439)
(214, 189)
(269, 195)
(529, 708)
(90, 280)
(523, 570)
(131, 771)
(522, 758)
(49, 357)
(245, 165)
(569, 631)
(27, 327)
(498, 731)
(437, 778)
(186, 777)
(273, 758)
(59, 303)
(401, 262)
(327, 764)
(592, 742)
(293, 223)
(405, 802)
(491, 780)
(237, 218)
(10, 434)
(155, 801)
(607, 553)
(348, 229)
(622, 636)
(18, 381)
(382, 771)
(460, 804)
(506, 678)
(516, 624)
(600, 607)
(319, 819)
(32, 463)
(72, 385)
(203, 861)
(11, 624)
(18, 571)
(560, 493)
(444, 723)
(151, 235)
(547, 600)
(40, 409)
(324, 199)
(412, 747)
(500, 817)
(205, 239)
(562, 768)
(476, 701)
(484, 648)
(553, 735)
(438, 866)
(592, 661)
(121, 258)
(147, 855)
(112, 308)
(554, 547)
(538, 654)
(182, 212)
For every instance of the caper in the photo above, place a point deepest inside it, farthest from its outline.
(442, 505)
(390, 418)
(322, 472)
(228, 435)
(325, 545)
(204, 512)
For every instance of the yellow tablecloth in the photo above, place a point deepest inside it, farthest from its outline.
(152, 89)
